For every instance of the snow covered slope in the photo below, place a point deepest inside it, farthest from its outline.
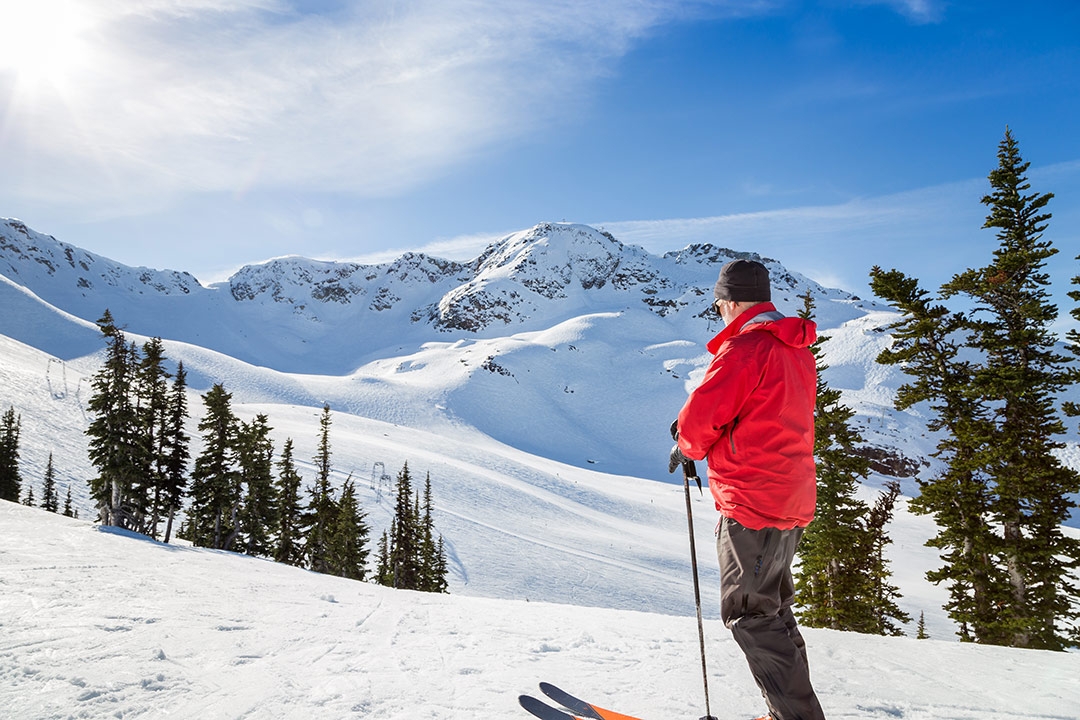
(559, 340)
(100, 624)
(535, 384)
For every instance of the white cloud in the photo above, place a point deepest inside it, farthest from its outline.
(174, 96)
(918, 11)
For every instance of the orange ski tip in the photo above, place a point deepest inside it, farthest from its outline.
(611, 715)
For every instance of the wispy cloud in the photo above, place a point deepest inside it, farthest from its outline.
(918, 11)
(173, 96)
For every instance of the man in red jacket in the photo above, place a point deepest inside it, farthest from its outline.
(752, 417)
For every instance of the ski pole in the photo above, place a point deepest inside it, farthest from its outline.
(690, 471)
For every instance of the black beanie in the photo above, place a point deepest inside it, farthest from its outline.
(743, 281)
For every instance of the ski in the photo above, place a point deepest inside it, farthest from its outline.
(542, 710)
(580, 708)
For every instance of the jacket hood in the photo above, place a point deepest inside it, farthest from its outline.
(793, 331)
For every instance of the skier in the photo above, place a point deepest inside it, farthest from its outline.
(752, 417)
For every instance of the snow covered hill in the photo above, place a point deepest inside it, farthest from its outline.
(558, 340)
(535, 384)
(100, 624)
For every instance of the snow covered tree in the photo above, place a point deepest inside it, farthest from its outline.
(288, 548)
(215, 480)
(10, 479)
(255, 461)
(51, 498)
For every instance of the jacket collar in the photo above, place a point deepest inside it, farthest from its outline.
(738, 324)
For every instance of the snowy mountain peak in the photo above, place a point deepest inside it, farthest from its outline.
(42, 262)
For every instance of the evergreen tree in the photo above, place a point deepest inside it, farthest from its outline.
(921, 633)
(255, 453)
(925, 343)
(884, 595)
(838, 577)
(348, 537)
(404, 552)
(432, 552)
(215, 480)
(69, 511)
(116, 441)
(1022, 375)
(1002, 499)
(409, 555)
(10, 479)
(51, 499)
(152, 399)
(322, 510)
(384, 574)
(288, 548)
(176, 449)
(29, 501)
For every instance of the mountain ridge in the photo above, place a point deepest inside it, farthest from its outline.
(560, 320)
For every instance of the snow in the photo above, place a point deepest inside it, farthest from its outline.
(103, 624)
(544, 432)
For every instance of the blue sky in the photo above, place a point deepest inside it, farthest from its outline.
(202, 135)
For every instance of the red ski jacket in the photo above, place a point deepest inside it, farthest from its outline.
(752, 417)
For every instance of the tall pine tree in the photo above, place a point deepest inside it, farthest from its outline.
(348, 537)
(255, 459)
(152, 393)
(322, 510)
(405, 561)
(176, 449)
(432, 550)
(116, 447)
(69, 509)
(50, 500)
(409, 556)
(925, 343)
(10, 479)
(837, 580)
(1022, 375)
(215, 480)
(1004, 494)
(288, 547)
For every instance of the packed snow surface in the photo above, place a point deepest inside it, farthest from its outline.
(100, 624)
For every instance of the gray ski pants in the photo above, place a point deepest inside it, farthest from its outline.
(756, 594)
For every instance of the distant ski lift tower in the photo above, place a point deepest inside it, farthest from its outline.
(379, 479)
(57, 387)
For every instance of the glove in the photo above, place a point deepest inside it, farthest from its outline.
(676, 459)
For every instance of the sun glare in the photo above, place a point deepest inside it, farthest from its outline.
(40, 40)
